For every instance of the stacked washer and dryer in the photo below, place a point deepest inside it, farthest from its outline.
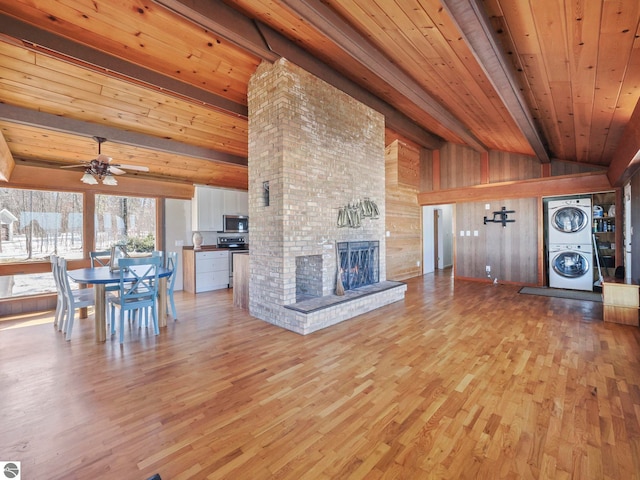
(569, 242)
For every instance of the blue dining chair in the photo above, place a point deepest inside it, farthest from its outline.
(100, 258)
(74, 299)
(138, 291)
(172, 264)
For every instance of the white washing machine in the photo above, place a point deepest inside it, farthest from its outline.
(570, 221)
(571, 266)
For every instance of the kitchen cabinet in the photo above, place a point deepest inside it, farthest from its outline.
(205, 270)
(207, 209)
(210, 204)
(236, 202)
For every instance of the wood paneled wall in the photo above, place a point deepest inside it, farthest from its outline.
(558, 167)
(426, 170)
(511, 251)
(508, 167)
(515, 253)
(403, 214)
(460, 166)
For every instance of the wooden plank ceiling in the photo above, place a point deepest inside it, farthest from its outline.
(165, 81)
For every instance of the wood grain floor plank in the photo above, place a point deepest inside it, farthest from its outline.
(460, 380)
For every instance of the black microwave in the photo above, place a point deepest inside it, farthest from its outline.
(235, 223)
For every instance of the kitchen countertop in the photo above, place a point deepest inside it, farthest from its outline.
(207, 248)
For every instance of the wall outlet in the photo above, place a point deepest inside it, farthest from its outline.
(418, 263)
(179, 243)
(487, 269)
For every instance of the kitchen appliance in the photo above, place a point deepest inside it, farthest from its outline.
(570, 266)
(235, 245)
(570, 221)
(235, 223)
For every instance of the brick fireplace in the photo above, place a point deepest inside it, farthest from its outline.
(312, 150)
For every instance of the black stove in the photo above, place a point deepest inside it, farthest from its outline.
(234, 243)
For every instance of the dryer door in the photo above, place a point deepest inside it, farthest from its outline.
(570, 264)
(570, 220)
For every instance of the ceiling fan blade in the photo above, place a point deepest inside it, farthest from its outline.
(115, 170)
(74, 166)
(134, 167)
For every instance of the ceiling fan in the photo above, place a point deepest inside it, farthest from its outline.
(101, 168)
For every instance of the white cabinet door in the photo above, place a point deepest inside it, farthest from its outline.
(243, 203)
(207, 208)
(212, 270)
(236, 202)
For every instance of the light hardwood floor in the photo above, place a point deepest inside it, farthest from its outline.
(460, 380)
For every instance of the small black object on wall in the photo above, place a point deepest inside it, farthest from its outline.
(503, 218)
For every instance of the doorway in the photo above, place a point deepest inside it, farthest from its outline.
(437, 237)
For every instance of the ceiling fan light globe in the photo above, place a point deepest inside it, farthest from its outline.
(109, 180)
(88, 179)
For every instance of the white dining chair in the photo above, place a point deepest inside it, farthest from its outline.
(138, 291)
(58, 319)
(75, 299)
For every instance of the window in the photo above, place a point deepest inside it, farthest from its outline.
(36, 224)
(129, 221)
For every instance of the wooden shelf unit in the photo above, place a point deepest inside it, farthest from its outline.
(621, 301)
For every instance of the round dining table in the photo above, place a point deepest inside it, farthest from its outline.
(100, 277)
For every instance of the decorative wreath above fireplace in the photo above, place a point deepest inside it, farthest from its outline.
(351, 215)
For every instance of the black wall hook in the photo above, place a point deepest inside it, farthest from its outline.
(503, 217)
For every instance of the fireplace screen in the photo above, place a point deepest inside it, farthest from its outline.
(359, 263)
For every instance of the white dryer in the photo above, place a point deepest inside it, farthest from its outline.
(570, 266)
(570, 221)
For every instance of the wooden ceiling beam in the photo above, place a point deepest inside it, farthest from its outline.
(533, 188)
(270, 45)
(216, 16)
(330, 24)
(472, 21)
(40, 178)
(49, 43)
(7, 163)
(57, 123)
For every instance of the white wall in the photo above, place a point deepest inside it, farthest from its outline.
(177, 231)
(428, 265)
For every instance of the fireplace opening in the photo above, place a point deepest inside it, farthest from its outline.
(308, 277)
(359, 263)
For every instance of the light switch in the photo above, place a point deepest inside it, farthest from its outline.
(462, 233)
(468, 233)
(475, 233)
